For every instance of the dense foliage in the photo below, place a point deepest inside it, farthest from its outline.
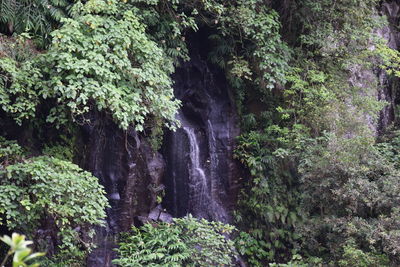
(320, 185)
(42, 191)
(185, 242)
(88, 67)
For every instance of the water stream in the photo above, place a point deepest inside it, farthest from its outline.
(201, 175)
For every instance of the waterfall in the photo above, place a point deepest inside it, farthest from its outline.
(201, 175)
(197, 181)
(197, 175)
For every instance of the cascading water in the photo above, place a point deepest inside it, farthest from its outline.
(197, 180)
(201, 176)
(197, 176)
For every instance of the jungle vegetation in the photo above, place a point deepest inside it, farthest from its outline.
(323, 181)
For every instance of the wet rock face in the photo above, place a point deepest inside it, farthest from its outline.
(201, 175)
(375, 81)
(391, 9)
(387, 92)
(129, 170)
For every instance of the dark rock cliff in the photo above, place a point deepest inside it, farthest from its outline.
(129, 170)
(388, 86)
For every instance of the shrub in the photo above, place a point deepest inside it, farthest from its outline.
(45, 191)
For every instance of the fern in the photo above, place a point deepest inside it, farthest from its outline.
(38, 17)
(186, 242)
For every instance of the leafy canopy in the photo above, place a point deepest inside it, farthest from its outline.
(103, 59)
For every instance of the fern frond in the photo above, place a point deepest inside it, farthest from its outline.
(38, 17)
